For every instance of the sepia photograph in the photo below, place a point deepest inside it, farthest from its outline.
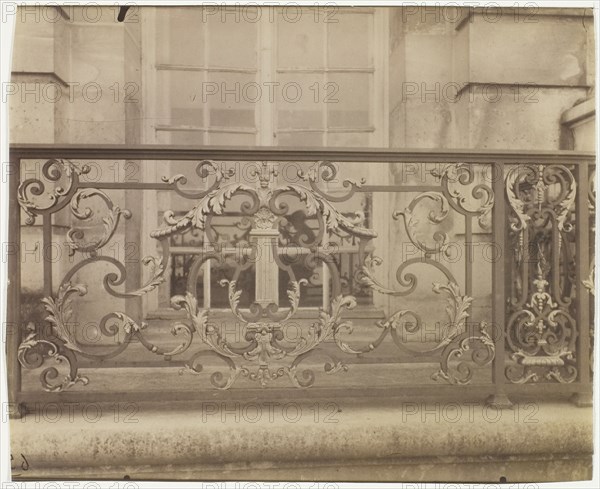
(295, 245)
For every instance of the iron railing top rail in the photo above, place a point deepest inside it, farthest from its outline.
(168, 152)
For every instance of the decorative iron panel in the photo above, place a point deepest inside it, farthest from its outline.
(354, 267)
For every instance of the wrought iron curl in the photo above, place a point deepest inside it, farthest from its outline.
(463, 174)
(326, 171)
(462, 373)
(32, 354)
(110, 222)
(52, 170)
(203, 169)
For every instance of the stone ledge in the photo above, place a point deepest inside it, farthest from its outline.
(494, 12)
(584, 111)
(391, 441)
(47, 77)
(516, 469)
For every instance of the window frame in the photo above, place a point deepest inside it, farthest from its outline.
(265, 113)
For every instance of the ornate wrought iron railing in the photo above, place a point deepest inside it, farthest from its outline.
(473, 273)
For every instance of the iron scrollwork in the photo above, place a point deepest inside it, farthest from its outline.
(53, 171)
(263, 323)
(541, 331)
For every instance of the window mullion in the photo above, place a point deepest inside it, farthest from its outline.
(266, 73)
(325, 140)
(205, 80)
(325, 79)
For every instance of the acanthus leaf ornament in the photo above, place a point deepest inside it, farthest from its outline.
(266, 346)
(211, 204)
(457, 310)
(60, 312)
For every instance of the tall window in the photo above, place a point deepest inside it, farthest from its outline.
(284, 77)
(330, 58)
(243, 76)
(197, 52)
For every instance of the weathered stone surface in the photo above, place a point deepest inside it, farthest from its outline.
(552, 52)
(495, 117)
(452, 83)
(392, 440)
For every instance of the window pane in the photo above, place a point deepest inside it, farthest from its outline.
(234, 101)
(300, 40)
(349, 41)
(300, 101)
(348, 139)
(179, 36)
(299, 139)
(179, 137)
(353, 100)
(181, 94)
(186, 137)
(229, 139)
(232, 41)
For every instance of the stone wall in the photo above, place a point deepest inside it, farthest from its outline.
(487, 78)
(77, 79)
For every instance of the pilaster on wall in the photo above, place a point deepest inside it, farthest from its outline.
(420, 70)
(520, 70)
(39, 91)
(105, 57)
(76, 78)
